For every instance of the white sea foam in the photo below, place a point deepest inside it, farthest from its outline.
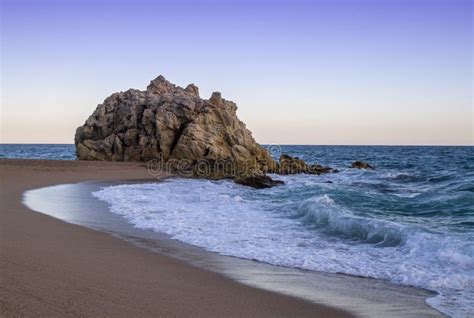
(287, 227)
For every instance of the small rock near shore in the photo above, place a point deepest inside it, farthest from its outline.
(258, 181)
(361, 165)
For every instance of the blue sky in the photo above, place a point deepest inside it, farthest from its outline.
(301, 72)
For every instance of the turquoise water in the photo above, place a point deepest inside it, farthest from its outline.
(410, 221)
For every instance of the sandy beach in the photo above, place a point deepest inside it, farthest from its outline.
(52, 268)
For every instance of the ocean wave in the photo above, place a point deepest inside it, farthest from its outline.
(402, 177)
(323, 213)
(311, 225)
(468, 188)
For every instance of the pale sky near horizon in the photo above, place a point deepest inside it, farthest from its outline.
(301, 72)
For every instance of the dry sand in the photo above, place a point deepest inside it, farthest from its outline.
(55, 269)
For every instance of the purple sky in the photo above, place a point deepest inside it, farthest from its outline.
(301, 72)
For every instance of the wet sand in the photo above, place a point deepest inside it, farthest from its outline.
(52, 268)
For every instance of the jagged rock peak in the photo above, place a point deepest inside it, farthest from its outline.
(216, 99)
(161, 85)
(192, 89)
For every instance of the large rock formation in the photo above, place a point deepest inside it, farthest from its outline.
(171, 124)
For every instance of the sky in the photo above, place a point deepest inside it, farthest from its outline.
(301, 72)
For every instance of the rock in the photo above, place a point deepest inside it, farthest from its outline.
(318, 169)
(161, 86)
(192, 89)
(187, 134)
(258, 181)
(294, 165)
(361, 165)
(175, 126)
(216, 99)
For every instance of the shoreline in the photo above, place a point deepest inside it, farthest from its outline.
(53, 268)
(362, 296)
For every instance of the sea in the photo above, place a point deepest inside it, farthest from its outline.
(409, 221)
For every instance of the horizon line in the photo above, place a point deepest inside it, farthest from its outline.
(282, 144)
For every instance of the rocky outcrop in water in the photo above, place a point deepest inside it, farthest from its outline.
(176, 126)
(258, 181)
(184, 133)
(294, 165)
(361, 165)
